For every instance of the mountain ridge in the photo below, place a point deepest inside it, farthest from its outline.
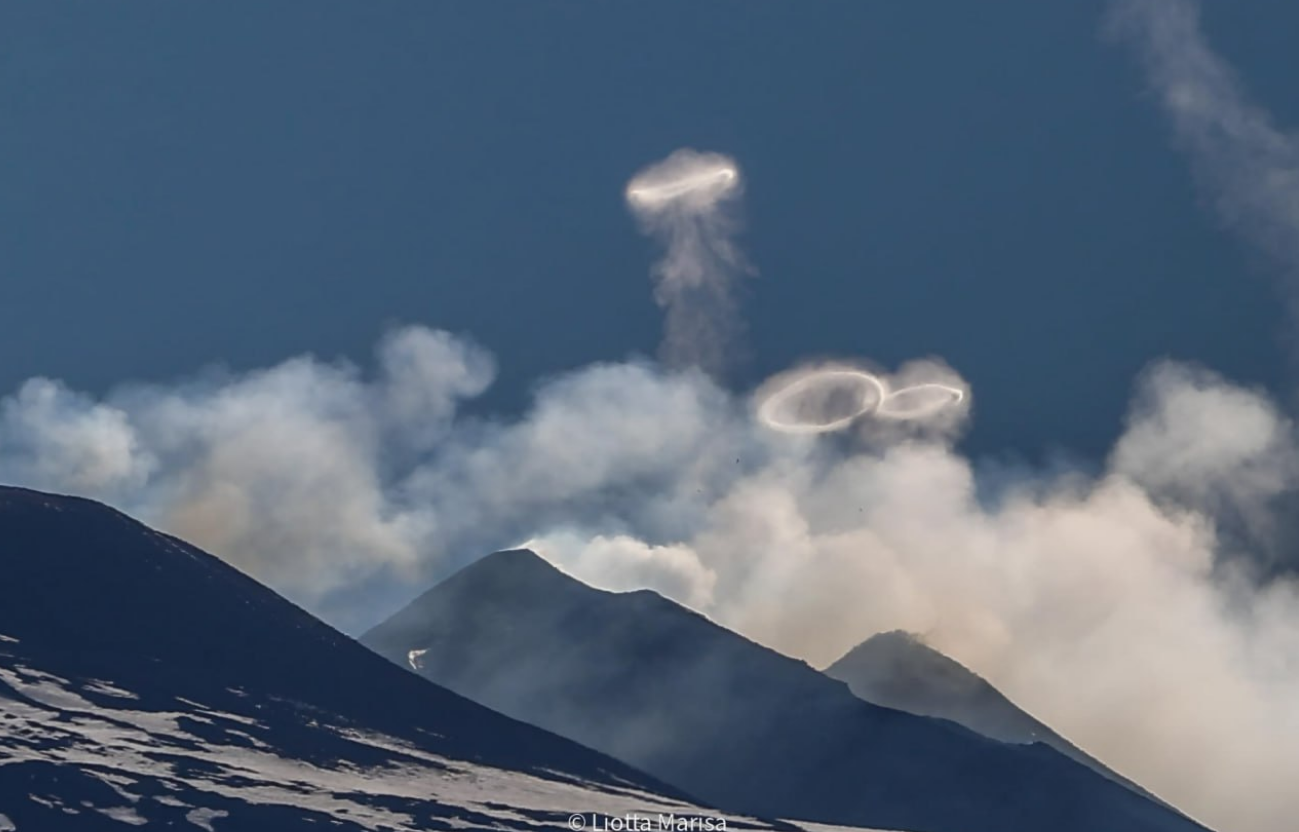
(647, 681)
(143, 680)
(898, 670)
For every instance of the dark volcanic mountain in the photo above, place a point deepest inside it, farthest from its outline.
(738, 725)
(145, 681)
(899, 671)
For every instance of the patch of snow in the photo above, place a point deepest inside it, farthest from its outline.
(7, 825)
(122, 814)
(212, 712)
(203, 818)
(413, 658)
(251, 740)
(142, 753)
(118, 783)
(44, 688)
(11, 640)
(107, 689)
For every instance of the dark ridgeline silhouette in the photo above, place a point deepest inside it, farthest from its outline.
(738, 725)
(897, 670)
(91, 596)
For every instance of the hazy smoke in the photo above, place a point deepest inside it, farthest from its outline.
(1223, 451)
(1248, 167)
(1102, 602)
(687, 202)
(286, 473)
(1098, 602)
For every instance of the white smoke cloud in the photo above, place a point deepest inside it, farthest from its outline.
(426, 374)
(1101, 603)
(620, 563)
(1222, 450)
(1103, 607)
(53, 435)
(687, 201)
(287, 473)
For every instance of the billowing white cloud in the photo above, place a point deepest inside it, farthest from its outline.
(1103, 602)
(286, 472)
(1196, 440)
(54, 438)
(622, 564)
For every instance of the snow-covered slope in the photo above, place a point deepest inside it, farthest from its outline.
(734, 723)
(143, 681)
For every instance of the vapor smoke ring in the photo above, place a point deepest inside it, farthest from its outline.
(653, 189)
(950, 396)
(687, 202)
(769, 410)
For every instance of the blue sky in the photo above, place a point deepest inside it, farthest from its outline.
(184, 184)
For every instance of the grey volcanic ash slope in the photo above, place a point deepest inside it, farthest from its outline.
(736, 724)
(145, 681)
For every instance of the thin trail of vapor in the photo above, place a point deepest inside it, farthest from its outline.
(1246, 165)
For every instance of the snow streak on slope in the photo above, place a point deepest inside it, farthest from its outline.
(64, 754)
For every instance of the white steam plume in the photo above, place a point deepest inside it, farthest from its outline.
(687, 201)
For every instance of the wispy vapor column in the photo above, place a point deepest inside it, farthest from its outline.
(687, 201)
(1247, 166)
